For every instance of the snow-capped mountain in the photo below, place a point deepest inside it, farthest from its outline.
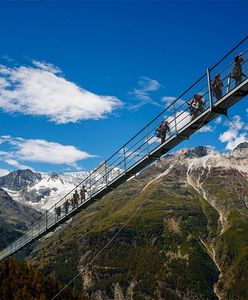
(39, 190)
(16, 180)
(42, 191)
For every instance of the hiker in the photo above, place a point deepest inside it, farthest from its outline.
(66, 206)
(82, 193)
(74, 200)
(196, 106)
(217, 87)
(58, 211)
(162, 130)
(237, 72)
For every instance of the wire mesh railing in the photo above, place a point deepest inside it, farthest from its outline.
(177, 115)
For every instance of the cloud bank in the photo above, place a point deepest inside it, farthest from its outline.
(41, 90)
(41, 151)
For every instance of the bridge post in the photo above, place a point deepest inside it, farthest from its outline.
(124, 159)
(90, 186)
(148, 150)
(106, 173)
(175, 116)
(210, 90)
(55, 213)
(228, 84)
(46, 219)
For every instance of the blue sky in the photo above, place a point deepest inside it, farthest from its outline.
(83, 77)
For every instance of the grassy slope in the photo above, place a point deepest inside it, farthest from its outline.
(157, 254)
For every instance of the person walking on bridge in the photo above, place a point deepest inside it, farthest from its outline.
(196, 106)
(217, 87)
(58, 211)
(66, 206)
(162, 130)
(82, 193)
(74, 200)
(237, 72)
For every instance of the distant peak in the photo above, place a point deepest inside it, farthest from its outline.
(19, 179)
(28, 171)
(54, 176)
(21, 173)
(241, 146)
(198, 151)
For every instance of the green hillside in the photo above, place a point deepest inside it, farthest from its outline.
(177, 231)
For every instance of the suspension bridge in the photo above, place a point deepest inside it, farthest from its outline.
(145, 147)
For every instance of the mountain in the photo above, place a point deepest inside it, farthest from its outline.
(242, 145)
(42, 191)
(19, 179)
(14, 218)
(177, 230)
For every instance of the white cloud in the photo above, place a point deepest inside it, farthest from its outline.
(232, 137)
(49, 152)
(206, 128)
(146, 86)
(3, 83)
(42, 151)
(40, 90)
(236, 120)
(218, 120)
(179, 104)
(46, 67)
(228, 135)
(152, 140)
(235, 140)
(182, 119)
(168, 100)
(15, 163)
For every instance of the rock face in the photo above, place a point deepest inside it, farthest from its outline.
(178, 230)
(14, 218)
(242, 145)
(17, 180)
(15, 212)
